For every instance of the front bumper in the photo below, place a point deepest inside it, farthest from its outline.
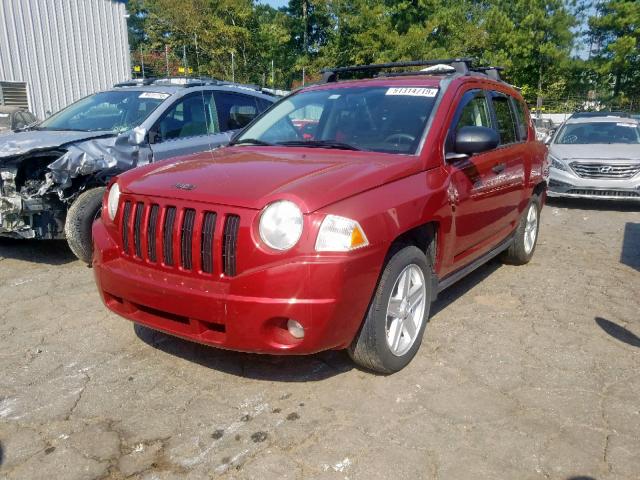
(569, 185)
(328, 295)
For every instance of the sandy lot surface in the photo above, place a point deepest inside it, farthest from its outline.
(525, 373)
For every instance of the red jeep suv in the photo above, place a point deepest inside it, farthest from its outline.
(296, 242)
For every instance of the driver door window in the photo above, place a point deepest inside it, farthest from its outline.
(475, 113)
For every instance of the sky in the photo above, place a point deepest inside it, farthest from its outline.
(275, 3)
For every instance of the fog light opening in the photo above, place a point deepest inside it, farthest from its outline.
(295, 329)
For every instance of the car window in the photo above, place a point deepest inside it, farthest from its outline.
(235, 110)
(380, 118)
(475, 113)
(599, 132)
(117, 110)
(191, 116)
(263, 104)
(521, 119)
(28, 118)
(504, 117)
(19, 121)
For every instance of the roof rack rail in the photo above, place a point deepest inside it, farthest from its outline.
(461, 66)
(136, 82)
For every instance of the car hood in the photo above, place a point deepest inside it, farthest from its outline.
(19, 143)
(608, 151)
(252, 177)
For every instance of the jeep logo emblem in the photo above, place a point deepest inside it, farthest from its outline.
(605, 169)
(185, 186)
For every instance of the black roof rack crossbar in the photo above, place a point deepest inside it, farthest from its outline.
(491, 72)
(461, 66)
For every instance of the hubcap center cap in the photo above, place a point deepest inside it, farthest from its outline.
(404, 308)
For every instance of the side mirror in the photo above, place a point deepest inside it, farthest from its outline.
(470, 140)
(137, 136)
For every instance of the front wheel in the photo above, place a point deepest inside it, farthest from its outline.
(393, 328)
(526, 235)
(80, 217)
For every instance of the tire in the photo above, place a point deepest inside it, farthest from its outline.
(521, 250)
(80, 218)
(372, 348)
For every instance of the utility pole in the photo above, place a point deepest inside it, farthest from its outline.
(166, 58)
(303, 77)
(233, 67)
(142, 61)
(184, 59)
(273, 78)
(305, 22)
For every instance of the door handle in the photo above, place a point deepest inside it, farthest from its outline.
(499, 168)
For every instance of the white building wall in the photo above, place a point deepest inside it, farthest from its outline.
(63, 49)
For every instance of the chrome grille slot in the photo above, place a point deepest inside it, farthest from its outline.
(137, 229)
(229, 244)
(167, 235)
(186, 238)
(605, 170)
(152, 228)
(126, 217)
(206, 243)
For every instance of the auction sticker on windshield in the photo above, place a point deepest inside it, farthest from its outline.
(413, 91)
(156, 95)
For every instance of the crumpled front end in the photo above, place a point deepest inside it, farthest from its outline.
(27, 208)
(38, 185)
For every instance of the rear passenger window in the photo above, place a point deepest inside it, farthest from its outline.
(506, 121)
(235, 111)
(521, 119)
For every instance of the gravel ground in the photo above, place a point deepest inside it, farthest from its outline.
(524, 373)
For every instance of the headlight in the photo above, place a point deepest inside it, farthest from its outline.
(340, 234)
(112, 201)
(281, 225)
(557, 164)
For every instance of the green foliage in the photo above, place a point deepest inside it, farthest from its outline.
(532, 39)
(616, 29)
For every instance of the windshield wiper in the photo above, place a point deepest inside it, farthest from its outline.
(319, 144)
(253, 141)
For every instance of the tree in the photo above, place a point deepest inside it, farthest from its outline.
(616, 32)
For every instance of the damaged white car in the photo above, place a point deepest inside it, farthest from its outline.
(52, 175)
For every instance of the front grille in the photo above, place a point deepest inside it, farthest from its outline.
(605, 193)
(206, 252)
(152, 228)
(126, 216)
(167, 235)
(229, 245)
(137, 225)
(605, 170)
(178, 237)
(186, 239)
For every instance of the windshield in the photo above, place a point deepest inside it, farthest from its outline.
(599, 132)
(106, 111)
(380, 119)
